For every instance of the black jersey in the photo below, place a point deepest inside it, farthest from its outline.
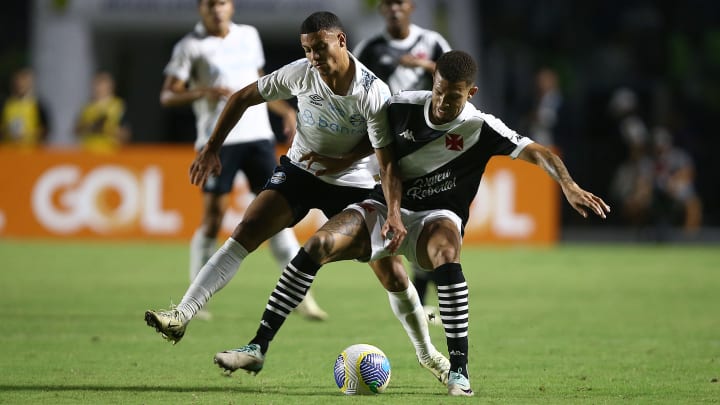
(441, 165)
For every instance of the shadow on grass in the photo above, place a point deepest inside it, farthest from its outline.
(298, 390)
(141, 388)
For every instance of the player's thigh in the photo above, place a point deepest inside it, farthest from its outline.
(268, 214)
(342, 237)
(439, 243)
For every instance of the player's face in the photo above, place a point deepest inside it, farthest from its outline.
(448, 99)
(324, 49)
(397, 12)
(216, 15)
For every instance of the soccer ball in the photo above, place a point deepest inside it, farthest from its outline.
(362, 369)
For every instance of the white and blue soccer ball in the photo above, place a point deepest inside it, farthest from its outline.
(362, 369)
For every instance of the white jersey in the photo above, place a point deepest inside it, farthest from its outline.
(233, 62)
(330, 124)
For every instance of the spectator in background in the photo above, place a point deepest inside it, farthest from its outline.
(101, 126)
(403, 56)
(207, 66)
(654, 186)
(632, 184)
(675, 201)
(545, 115)
(24, 119)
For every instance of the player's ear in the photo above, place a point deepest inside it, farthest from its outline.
(472, 92)
(342, 39)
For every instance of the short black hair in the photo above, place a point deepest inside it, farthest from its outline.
(455, 66)
(321, 20)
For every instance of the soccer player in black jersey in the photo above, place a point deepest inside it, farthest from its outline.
(403, 55)
(442, 145)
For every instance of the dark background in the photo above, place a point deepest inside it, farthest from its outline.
(667, 52)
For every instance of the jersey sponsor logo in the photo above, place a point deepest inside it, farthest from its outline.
(278, 178)
(357, 122)
(337, 109)
(431, 185)
(454, 142)
(316, 99)
(408, 134)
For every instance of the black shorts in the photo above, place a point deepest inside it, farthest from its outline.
(255, 159)
(304, 191)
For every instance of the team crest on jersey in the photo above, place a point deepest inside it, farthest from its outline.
(278, 178)
(454, 142)
(367, 79)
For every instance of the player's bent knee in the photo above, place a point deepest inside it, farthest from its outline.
(319, 246)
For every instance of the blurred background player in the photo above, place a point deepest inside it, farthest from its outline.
(404, 56)
(24, 119)
(208, 65)
(545, 115)
(675, 201)
(102, 126)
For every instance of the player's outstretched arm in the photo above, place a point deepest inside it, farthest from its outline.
(175, 93)
(581, 200)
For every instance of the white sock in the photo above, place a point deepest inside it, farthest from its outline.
(284, 246)
(201, 249)
(213, 276)
(407, 308)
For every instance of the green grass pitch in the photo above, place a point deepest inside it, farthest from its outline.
(576, 324)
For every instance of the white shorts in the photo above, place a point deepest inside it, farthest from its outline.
(375, 214)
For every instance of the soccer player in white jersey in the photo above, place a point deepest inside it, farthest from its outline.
(442, 145)
(341, 114)
(404, 56)
(216, 59)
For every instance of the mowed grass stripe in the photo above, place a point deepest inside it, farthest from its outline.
(572, 324)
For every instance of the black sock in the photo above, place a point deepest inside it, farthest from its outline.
(453, 305)
(289, 291)
(420, 280)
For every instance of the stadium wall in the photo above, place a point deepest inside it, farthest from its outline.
(143, 192)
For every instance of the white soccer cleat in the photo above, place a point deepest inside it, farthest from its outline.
(459, 385)
(437, 364)
(310, 309)
(248, 358)
(170, 324)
